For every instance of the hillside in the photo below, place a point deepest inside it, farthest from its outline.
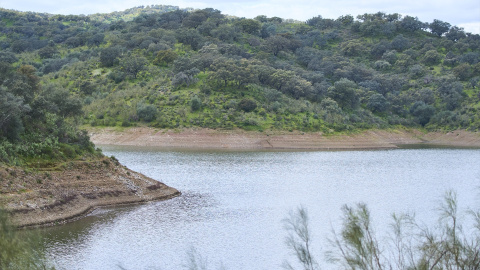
(50, 171)
(200, 68)
(160, 68)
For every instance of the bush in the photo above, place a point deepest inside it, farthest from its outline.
(422, 112)
(247, 105)
(195, 104)
(147, 113)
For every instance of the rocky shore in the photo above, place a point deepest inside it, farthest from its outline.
(49, 196)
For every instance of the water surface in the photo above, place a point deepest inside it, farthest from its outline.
(232, 204)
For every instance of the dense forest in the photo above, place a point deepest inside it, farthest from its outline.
(178, 68)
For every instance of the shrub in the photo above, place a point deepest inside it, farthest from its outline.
(247, 105)
(147, 113)
(195, 104)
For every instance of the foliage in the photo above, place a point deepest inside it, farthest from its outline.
(328, 74)
(18, 250)
(299, 239)
(247, 105)
(146, 112)
(410, 244)
(35, 120)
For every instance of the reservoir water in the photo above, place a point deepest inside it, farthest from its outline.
(232, 204)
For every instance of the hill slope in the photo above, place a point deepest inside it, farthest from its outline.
(203, 69)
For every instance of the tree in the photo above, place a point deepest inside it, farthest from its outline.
(8, 57)
(132, 65)
(61, 102)
(377, 103)
(165, 57)
(54, 65)
(108, 56)
(346, 19)
(24, 83)
(261, 18)
(96, 39)
(194, 19)
(411, 24)
(276, 44)
(249, 26)
(426, 95)
(463, 71)
(315, 21)
(190, 37)
(353, 48)
(438, 27)
(224, 69)
(185, 78)
(268, 29)
(297, 87)
(450, 91)
(432, 57)
(400, 43)
(225, 33)
(12, 109)
(410, 245)
(20, 45)
(422, 112)
(344, 92)
(390, 56)
(206, 27)
(47, 52)
(455, 33)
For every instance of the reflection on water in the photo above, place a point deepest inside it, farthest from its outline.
(232, 204)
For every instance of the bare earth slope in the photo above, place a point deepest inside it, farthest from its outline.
(213, 139)
(54, 195)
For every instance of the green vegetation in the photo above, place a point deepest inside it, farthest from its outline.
(171, 68)
(18, 250)
(410, 244)
(37, 123)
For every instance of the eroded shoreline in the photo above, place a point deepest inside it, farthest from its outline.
(51, 196)
(242, 140)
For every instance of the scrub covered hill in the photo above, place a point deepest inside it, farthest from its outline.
(50, 172)
(173, 68)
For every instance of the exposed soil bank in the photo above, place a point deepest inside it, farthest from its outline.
(49, 196)
(238, 139)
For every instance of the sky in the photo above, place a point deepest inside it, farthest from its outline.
(462, 13)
